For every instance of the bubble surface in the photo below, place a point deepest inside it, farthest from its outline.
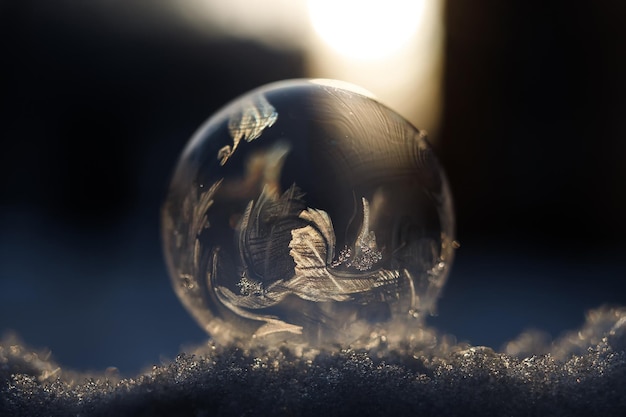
(306, 211)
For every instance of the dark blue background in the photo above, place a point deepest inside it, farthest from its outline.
(94, 111)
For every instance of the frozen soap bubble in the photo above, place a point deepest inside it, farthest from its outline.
(306, 211)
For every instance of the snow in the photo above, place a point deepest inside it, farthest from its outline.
(583, 373)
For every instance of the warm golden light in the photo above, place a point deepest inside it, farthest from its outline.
(392, 48)
(366, 29)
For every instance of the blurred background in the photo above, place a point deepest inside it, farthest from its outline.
(525, 105)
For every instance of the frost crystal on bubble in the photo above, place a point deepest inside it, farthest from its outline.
(311, 247)
(255, 115)
(248, 287)
(366, 252)
(325, 224)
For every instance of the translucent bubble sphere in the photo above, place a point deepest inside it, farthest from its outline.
(306, 211)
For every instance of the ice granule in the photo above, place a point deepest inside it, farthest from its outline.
(584, 373)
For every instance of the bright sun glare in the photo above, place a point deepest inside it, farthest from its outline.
(365, 29)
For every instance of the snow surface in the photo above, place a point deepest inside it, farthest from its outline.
(583, 373)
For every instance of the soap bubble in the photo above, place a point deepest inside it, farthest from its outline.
(306, 211)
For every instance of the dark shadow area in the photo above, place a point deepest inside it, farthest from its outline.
(533, 143)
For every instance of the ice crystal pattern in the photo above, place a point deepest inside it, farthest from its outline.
(306, 212)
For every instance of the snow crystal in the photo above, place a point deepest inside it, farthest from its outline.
(583, 373)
